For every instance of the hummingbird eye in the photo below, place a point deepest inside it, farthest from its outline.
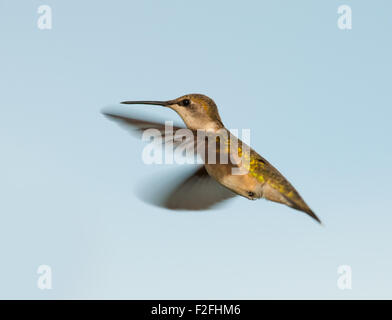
(185, 102)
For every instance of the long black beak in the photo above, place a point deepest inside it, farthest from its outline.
(159, 103)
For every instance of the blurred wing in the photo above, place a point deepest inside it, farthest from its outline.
(137, 125)
(179, 135)
(195, 191)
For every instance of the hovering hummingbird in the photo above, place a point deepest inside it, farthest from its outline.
(215, 182)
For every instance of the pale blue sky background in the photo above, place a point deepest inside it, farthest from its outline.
(317, 100)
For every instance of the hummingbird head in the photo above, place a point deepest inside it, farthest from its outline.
(196, 110)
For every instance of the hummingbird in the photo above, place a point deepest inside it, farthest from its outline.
(215, 182)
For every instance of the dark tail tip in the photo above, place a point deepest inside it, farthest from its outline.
(302, 206)
(313, 215)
